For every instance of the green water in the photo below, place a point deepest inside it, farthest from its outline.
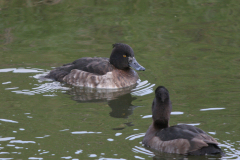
(191, 47)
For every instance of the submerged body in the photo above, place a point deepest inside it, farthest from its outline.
(180, 139)
(101, 72)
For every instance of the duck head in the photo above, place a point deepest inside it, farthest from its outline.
(122, 57)
(161, 108)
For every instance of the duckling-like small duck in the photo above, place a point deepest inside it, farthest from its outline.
(180, 139)
(101, 72)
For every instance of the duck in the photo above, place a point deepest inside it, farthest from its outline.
(180, 139)
(100, 72)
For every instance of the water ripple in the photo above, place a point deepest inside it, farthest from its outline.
(230, 150)
(138, 149)
(39, 158)
(138, 157)
(64, 130)
(79, 151)
(11, 88)
(43, 136)
(20, 141)
(135, 136)
(92, 155)
(43, 88)
(80, 93)
(7, 82)
(111, 159)
(85, 132)
(118, 134)
(8, 120)
(4, 153)
(191, 124)
(21, 70)
(177, 113)
(213, 133)
(143, 88)
(68, 157)
(172, 113)
(110, 139)
(211, 109)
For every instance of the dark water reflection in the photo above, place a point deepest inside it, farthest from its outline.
(97, 95)
(122, 106)
(120, 101)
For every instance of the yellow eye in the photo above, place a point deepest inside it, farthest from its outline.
(124, 56)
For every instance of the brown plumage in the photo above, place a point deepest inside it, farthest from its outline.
(180, 139)
(101, 72)
(115, 79)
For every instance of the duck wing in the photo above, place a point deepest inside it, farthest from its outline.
(99, 66)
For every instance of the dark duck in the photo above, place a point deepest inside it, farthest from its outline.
(101, 72)
(180, 139)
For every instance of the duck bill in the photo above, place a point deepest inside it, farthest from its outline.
(135, 65)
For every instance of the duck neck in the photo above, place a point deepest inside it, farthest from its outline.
(160, 124)
(161, 114)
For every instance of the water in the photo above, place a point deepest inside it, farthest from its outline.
(190, 47)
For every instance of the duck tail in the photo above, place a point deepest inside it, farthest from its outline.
(60, 72)
(211, 149)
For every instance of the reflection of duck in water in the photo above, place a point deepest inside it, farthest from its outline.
(85, 94)
(122, 106)
(119, 100)
(101, 72)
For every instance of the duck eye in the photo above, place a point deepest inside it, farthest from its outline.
(124, 56)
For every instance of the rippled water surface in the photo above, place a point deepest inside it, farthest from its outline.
(191, 47)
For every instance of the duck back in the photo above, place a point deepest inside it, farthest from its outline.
(98, 66)
(182, 139)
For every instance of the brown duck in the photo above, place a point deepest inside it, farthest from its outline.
(180, 139)
(101, 72)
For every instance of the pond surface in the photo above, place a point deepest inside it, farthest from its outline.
(191, 47)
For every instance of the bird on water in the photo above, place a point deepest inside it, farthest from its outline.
(99, 72)
(180, 139)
